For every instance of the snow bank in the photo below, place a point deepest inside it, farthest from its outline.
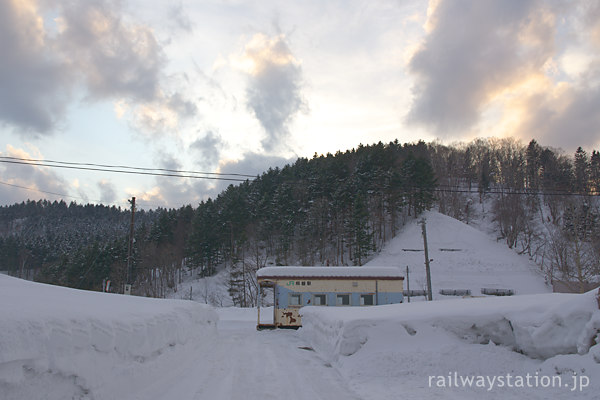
(76, 343)
(538, 334)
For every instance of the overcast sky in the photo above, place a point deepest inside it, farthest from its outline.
(241, 86)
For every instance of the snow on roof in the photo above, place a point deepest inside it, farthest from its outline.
(330, 272)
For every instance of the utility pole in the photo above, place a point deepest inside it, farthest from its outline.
(127, 289)
(407, 284)
(427, 270)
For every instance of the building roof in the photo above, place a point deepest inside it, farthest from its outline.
(330, 272)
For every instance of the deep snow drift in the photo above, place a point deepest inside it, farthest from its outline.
(413, 348)
(57, 342)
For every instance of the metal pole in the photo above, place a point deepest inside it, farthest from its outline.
(427, 270)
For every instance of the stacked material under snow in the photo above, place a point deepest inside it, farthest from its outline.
(463, 258)
(60, 342)
(397, 348)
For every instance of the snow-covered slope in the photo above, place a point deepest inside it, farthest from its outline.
(57, 342)
(463, 258)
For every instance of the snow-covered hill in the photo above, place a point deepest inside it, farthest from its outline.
(463, 258)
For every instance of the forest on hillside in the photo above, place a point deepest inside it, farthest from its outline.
(333, 209)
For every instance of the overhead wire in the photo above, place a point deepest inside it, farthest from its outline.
(123, 169)
(48, 192)
(118, 203)
(516, 192)
(235, 177)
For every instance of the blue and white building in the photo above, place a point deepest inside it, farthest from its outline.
(297, 287)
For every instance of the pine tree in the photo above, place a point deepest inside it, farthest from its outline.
(533, 163)
(582, 171)
(361, 237)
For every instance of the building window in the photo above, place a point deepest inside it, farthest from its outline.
(294, 299)
(342, 300)
(319, 300)
(366, 300)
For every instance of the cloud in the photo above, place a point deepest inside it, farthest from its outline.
(52, 49)
(171, 191)
(250, 164)
(566, 118)
(208, 149)
(592, 20)
(274, 92)
(35, 84)
(475, 50)
(164, 114)
(108, 193)
(561, 108)
(178, 19)
(37, 179)
(116, 57)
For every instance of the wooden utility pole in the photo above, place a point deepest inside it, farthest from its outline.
(130, 247)
(427, 270)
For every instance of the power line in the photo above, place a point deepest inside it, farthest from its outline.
(122, 203)
(514, 192)
(457, 187)
(228, 177)
(125, 169)
(178, 174)
(47, 192)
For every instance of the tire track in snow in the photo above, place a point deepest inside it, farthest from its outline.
(242, 363)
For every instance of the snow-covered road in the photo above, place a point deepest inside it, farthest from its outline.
(58, 343)
(242, 363)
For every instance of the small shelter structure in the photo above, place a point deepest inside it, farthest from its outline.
(297, 287)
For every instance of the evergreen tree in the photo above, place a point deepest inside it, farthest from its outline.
(595, 172)
(582, 171)
(533, 154)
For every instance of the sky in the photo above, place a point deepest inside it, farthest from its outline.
(237, 86)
